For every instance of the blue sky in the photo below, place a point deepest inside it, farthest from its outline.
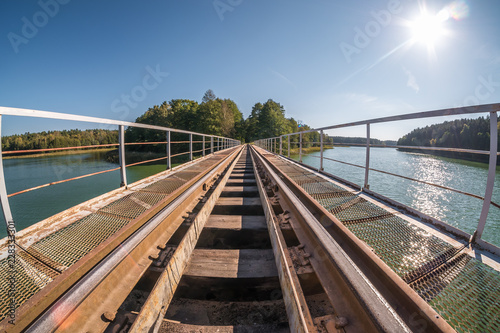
(327, 62)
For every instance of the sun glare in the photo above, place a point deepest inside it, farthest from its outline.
(428, 29)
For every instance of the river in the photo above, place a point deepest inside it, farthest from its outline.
(456, 209)
(31, 207)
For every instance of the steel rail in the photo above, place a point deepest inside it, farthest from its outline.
(374, 303)
(493, 152)
(52, 318)
(408, 305)
(153, 310)
(299, 316)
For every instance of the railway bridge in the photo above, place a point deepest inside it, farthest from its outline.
(245, 238)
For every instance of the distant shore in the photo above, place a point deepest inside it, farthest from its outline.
(56, 153)
(295, 151)
(482, 158)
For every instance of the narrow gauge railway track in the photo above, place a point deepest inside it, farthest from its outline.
(244, 252)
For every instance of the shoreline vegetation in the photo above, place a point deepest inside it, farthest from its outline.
(58, 153)
(481, 158)
(461, 133)
(221, 117)
(308, 150)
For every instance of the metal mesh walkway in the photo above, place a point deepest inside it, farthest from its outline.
(40, 263)
(460, 288)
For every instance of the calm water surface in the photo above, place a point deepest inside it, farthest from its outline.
(31, 207)
(456, 209)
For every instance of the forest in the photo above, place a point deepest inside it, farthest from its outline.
(217, 116)
(59, 139)
(460, 133)
(213, 116)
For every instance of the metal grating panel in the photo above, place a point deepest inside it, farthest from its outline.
(401, 245)
(358, 209)
(165, 186)
(29, 280)
(68, 245)
(187, 175)
(133, 205)
(463, 290)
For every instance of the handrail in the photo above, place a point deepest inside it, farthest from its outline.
(271, 143)
(485, 108)
(216, 143)
(8, 111)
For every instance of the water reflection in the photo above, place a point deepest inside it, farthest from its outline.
(456, 209)
(31, 207)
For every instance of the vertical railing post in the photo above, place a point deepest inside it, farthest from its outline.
(367, 164)
(289, 146)
(121, 139)
(169, 152)
(321, 150)
(281, 144)
(190, 146)
(491, 177)
(4, 199)
(300, 147)
(203, 150)
(211, 145)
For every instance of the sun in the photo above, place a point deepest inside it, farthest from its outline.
(428, 29)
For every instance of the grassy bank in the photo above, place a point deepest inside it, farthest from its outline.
(451, 154)
(295, 151)
(61, 152)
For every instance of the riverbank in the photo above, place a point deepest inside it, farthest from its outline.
(308, 150)
(59, 153)
(481, 158)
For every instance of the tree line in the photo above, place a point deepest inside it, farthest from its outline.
(216, 116)
(59, 139)
(460, 133)
(222, 117)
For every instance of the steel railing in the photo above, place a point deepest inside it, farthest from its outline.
(217, 143)
(275, 145)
